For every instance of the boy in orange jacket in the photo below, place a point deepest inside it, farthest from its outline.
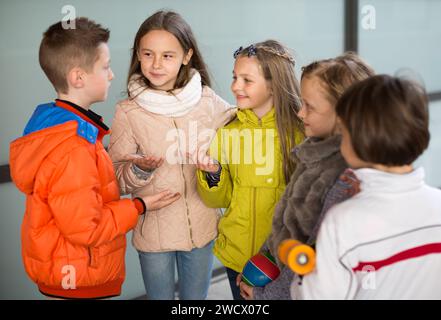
(73, 232)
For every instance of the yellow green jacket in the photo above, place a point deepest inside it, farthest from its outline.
(251, 184)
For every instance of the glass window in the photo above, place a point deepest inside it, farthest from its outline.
(431, 157)
(313, 29)
(406, 38)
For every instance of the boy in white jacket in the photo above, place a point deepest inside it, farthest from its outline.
(385, 242)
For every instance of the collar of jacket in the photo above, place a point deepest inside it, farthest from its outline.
(249, 117)
(315, 149)
(87, 115)
(380, 181)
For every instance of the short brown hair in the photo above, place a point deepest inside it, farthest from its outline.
(387, 119)
(62, 49)
(337, 74)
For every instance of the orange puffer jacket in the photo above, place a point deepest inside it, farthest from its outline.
(73, 232)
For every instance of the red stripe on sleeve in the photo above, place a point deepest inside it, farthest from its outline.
(404, 255)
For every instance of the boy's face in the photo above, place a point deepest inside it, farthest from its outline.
(97, 82)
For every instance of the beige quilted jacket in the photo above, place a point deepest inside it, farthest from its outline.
(186, 223)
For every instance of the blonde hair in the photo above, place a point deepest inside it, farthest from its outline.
(337, 74)
(278, 69)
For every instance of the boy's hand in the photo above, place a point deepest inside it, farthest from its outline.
(160, 200)
(148, 163)
(203, 162)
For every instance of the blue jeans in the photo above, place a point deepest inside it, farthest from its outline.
(194, 273)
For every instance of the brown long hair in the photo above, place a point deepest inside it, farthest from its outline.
(278, 68)
(172, 22)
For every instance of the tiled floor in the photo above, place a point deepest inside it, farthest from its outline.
(220, 288)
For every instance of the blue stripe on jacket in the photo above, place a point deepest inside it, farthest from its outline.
(49, 115)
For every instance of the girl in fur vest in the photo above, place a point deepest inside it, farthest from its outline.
(170, 111)
(319, 164)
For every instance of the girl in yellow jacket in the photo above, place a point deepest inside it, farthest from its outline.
(249, 163)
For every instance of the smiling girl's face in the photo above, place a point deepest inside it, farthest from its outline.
(249, 86)
(317, 113)
(161, 57)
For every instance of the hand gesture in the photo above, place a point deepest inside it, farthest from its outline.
(204, 162)
(148, 163)
(160, 200)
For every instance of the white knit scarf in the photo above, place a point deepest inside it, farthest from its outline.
(164, 103)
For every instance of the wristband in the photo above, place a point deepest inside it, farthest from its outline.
(140, 205)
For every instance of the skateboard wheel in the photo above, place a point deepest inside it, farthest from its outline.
(299, 257)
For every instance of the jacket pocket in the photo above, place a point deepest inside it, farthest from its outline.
(221, 241)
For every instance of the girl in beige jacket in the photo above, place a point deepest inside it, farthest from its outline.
(170, 113)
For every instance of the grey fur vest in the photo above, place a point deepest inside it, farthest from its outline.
(319, 164)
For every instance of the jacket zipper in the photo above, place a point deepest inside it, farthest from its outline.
(142, 225)
(254, 209)
(185, 192)
(254, 221)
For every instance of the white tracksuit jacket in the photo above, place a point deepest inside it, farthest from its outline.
(384, 243)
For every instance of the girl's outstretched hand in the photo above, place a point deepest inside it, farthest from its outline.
(148, 163)
(203, 161)
(160, 200)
